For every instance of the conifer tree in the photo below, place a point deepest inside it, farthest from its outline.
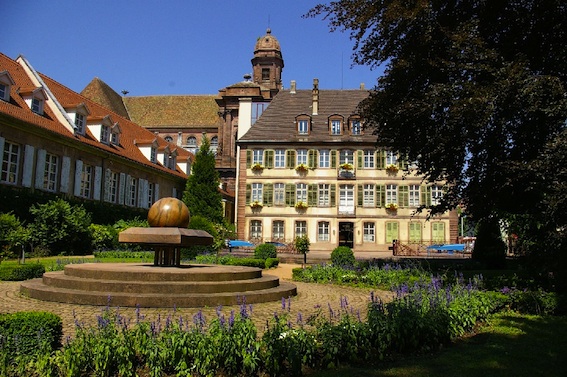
(202, 195)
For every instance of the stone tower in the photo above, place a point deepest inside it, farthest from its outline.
(267, 63)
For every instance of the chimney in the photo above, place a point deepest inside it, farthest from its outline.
(292, 87)
(362, 87)
(315, 96)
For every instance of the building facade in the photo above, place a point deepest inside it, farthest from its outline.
(308, 166)
(55, 140)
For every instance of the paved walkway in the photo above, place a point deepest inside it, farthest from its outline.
(311, 298)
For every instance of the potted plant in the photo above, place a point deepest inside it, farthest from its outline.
(392, 207)
(256, 205)
(301, 168)
(346, 166)
(300, 205)
(257, 167)
(392, 168)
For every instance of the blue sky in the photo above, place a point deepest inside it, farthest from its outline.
(175, 46)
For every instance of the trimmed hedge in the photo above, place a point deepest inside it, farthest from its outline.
(265, 251)
(21, 272)
(272, 262)
(342, 256)
(28, 333)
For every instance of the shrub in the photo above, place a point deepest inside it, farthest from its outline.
(104, 237)
(27, 333)
(265, 251)
(272, 262)
(61, 228)
(21, 272)
(489, 249)
(12, 236)
(118, 254)
(342, 256)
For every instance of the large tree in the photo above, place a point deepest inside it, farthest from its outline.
(473, 91)
(202, 195)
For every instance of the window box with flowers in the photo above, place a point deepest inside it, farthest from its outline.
(392, 169)
(300, 206)
(346, 166)
(301, 168)
(393, 207)
(256, 205)
(257, 168)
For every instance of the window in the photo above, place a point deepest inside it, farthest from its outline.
(346, 199)
(391, 231)
(192, 142)
(369, 232)
(10, 163)
(265, 74)
(436, 195)
(80, 123)
(153, 154)
(391, 194)
(438, 232)
(324, 158)
(355, 128)
(414, 232)
(369, 159)
(279, 161)
(368, 195)
(6, 82)
(37, 105)
(86, 181)
(133, 191)
(278, 230)
(323, 231)
(335, 127)
(324, 197)
(50, 172)
(258, 156)
(151, 194)
(279, 194)
(346, 156)
(391, 158)
(413, 195)
(113, 187)
(3, 92)
(301, 193)
(300, 228)
(302, 156)
(115, 138)
(255, 229)
(168, 138)
(214, 144)
(303, 127)
(257, 189)
(104, 134)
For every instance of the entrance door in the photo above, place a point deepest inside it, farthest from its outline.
(346, 234)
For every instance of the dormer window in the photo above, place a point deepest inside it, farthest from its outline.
(37, 105)
(104, 134)
(35, 98)
(336, 125)
(6, 83)
(153, 154)
(100, 128)
(115, 134)
(78, 114)
(303, 125)
(80, 122)
(355, 127)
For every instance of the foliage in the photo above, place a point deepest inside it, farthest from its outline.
(236, 261)
(21, 272)
(122, 225)
(302, 244)
(61, 228)
(119, 254)
(343, 256)
(531, 301)
(10, 231)
(104, 237)
(26, 333)
(475, 94)
(272, 262)
(202, 195)
(265, 251)
(489, 249)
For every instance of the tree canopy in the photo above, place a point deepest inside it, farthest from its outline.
(202, 195)
(473, 91)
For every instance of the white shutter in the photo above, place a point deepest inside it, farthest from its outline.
(122, 191)
(106, 193)
(97, 182)
(78, 174)
(2, 142)
(28, 166)
(65, 171)
(143, 193)
(40, 168)
(156, 192)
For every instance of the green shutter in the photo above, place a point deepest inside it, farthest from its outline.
(333, 159)
(312, 159)
(268, 194)
(312, 195)
(248, 158)
(290, 194)
(425, 195)
(380, 159)
(403, 196)
(438, 232)
(360, 159)
(403, 161)
(248, 193)
(415, 232)
(333, 195)
(391, 231)
(359, 194)
(290, 158)
(380, 196)
(269, 159)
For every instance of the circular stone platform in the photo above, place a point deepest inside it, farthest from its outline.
(149, 286)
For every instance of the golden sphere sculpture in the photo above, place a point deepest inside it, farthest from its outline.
(169, 212)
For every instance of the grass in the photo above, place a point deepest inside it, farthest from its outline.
(510, 345)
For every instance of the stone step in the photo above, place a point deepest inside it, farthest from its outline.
(61, 280)
(35, 288)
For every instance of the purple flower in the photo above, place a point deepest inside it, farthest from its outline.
(231, 319)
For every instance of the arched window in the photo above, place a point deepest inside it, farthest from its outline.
(214, 144)
(191, 141)
(168, 138)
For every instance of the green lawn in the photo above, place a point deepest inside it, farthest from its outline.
(510, 345)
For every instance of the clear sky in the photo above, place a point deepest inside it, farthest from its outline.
(151, 47)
